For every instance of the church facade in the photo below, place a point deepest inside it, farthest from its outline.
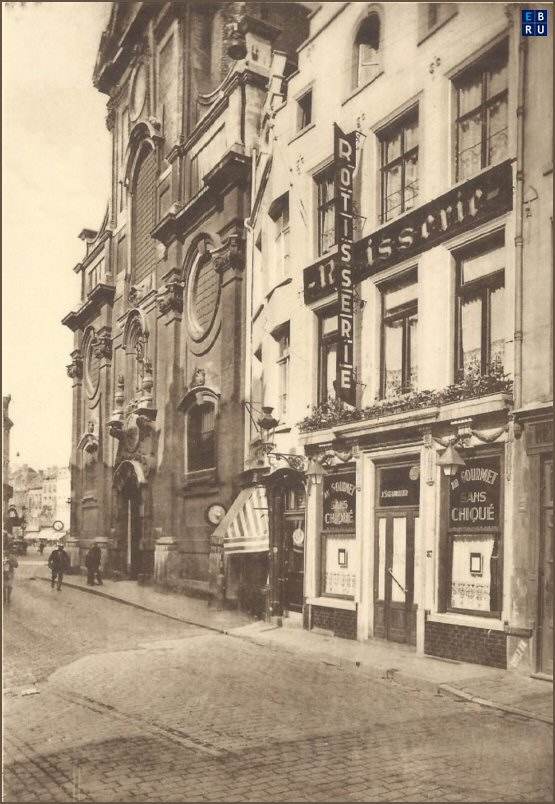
(159, 332)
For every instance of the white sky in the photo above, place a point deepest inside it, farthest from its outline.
(56, 175)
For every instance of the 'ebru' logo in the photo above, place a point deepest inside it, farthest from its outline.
(534, 23)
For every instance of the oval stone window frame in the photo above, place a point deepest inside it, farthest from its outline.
(209, 331)
(139, 92)
(91, 387)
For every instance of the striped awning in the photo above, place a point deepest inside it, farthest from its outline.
(244, 529)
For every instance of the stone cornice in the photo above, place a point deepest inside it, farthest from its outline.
(92, 256)
(204, 124)
(100, 295)
(233, 168)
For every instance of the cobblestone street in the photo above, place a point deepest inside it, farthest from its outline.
(131, 706)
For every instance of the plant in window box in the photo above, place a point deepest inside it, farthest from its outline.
(333, 412)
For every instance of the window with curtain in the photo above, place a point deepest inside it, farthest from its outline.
(482, 124)
(399, 338)
(281, 239)
(282, 337)
(366, 51)
(201, 437)
(327, 355)
(325, 211)
(305, 110)
(399, 160)
(480, 346)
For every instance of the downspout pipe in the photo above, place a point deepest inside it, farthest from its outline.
(519, 221)
(249, 226)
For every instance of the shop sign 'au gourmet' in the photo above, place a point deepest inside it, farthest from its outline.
(478, 200)
(474, 495)
(340, 501)
(345, 162)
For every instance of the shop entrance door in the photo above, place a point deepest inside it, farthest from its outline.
(293, 561)
(287, 538)
(545, 630)
(394, 609)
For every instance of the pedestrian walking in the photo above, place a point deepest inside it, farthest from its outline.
(41, 547)
(59, 563)
(92, 563)
(10, 565)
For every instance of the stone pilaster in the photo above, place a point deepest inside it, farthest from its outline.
(230, 263)
(170, 307)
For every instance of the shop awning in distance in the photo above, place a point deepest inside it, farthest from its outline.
(244, 529)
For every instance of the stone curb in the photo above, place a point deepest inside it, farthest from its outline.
(92, 591)
(391, 674)
(455, 692)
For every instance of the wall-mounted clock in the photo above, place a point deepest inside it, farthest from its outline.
(215, 513)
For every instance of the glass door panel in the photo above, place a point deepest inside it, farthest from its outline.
(398, 567)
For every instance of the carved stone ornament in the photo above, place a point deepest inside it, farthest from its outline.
(199, 378)
(103, 344)
(136, 293)
(232, 255)
(170, 298)
(75, 368)
(111, 120)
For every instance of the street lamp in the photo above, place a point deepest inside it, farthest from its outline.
(267, 424)
(315, 471)
(450, 460)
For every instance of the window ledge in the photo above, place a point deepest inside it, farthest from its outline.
(361, 88)
(199, 478)
(468, 620)
(332, 603)
(285, 429)
(436, 27)
(301, 132)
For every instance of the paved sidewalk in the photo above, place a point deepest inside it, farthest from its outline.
(488, 686)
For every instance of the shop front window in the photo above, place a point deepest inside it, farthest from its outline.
(474, 538)
(338, 576)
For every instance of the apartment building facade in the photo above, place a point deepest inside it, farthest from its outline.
(421, 513)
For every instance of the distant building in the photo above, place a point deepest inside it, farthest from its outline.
(43, 499)
(7, 489)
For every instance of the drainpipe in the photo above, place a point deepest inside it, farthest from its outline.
(519, 219)
(249, 226)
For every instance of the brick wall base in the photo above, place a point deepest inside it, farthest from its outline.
(475, 645)
(343, 623)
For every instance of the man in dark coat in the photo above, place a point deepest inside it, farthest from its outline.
(59, 563)
(92, 563)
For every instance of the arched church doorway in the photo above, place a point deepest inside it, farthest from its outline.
(129, 485)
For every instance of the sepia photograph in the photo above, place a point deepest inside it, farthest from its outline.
(277, 386)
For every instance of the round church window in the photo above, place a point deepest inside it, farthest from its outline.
(92, 368)
(204, 295)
